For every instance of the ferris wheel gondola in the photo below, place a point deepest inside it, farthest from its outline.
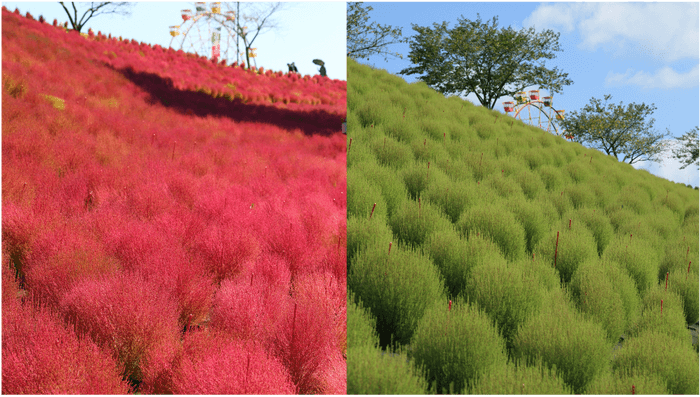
(208, 31)
(537, 111)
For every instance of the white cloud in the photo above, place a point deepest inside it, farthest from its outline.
(670, 169)
(665, 78)
(667, 31)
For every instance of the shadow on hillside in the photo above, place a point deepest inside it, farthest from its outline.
(315, 122)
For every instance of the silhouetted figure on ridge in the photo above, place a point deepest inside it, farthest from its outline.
(292, 68)
(323, 68)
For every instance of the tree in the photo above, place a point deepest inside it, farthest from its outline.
(617, 130)
(686, 149)
(95, 9)
(365, 40)
(259, 15)
(481, 58)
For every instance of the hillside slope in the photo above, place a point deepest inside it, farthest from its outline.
(477, 244)
(163, 232)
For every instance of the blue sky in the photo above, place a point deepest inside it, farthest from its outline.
(306, 31)
(637, 52)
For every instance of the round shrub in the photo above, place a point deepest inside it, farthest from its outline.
(481, 164)
(363, 232)
(456, 346)
(530, 183)
(562, 337)
(561, 202)
(362, 195)
(520, 379)
(361, 325)
(414, 221)
(578, 171)
(552, 177)
(396, 287)
(505, 186)
(494, 221)
(455, 257)
(576, 245)
(637, 256)
(619, 216)
(685, 284)
(634, 197)
(391, 153)
(536, 157)
(596, 296)
(596, 222)
(452, 198)
(580, 195)
(391, 184)
(622, 381)
(419, 175)
(358, 152)
(506, 293)
(530, 216)
(456, 169)
(372, 371)
(429, 150)
(654, 353)
(670, 320)
(404, 130)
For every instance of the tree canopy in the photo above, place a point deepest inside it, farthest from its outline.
(481, 58)
(95, 9)
(617, 130)
(686, 150)
(365, 40)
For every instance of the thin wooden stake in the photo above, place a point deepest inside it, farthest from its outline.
(666, 281)
(370, 214)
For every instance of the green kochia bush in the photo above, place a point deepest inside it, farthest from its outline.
(391, 153)
(637, 256)
(452, 198)
(414, 221)
(396, 286)
(365, 231)
(455, 256)
(596, 222)
(563, 337)
(363, 195)
(495, 221)
(530, 182)
(507, 293)
(456, 346)
(530, 216)
(392, 186)
(670, 321)
(418, 175)
(686, 285)
(576, 245)
(361, 326)
(655, 353)
(605, 293)
(520, 379)
(552, 177)
(372, 371)
(621, 382)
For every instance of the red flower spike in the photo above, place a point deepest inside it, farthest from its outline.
(632, 389)
(569, 224)
(450, 306)
(370, 215)
(688, 272)
(662, 307)
(389, 253)
(666, 281)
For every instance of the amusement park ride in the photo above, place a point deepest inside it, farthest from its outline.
(539, 112)
(200, 32)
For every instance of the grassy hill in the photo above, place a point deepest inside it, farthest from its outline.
(169, 224)
(487, 256)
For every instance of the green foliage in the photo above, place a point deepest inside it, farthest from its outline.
(455, 61)
(530, 182)
(391, 153)
(686, 149)
(653, 353)
(418, 175)
(685, 284)
(396, 286)
(596, 222)
(617, 130)
(505, 186)
(562, 337)
(392, 187)
(622, 380)
(493, 220)
(580, 195)
(637, 257)
(552, 177)
(363, 232)
(576, 245)
(372, 371)
(428, 150)
(517, 378)
(362, 197)
(670, 320)
(597, 293)
(506, 293)
(365, 40)
(413, 222)
(361, 328)
(452, 198)
(530, 216)
(456, 346)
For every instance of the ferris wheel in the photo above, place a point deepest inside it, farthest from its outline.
(530, 109)
(208, 32)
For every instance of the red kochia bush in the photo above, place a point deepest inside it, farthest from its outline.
(40, 356)
(124, 314)
(214, 364)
